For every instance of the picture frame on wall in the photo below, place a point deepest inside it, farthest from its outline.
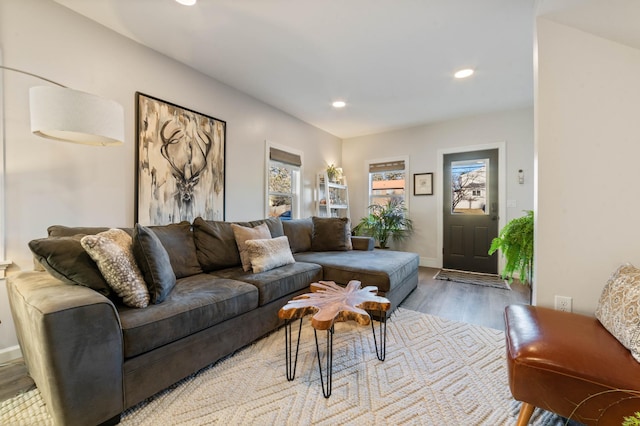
(180, 163)
(423, 184)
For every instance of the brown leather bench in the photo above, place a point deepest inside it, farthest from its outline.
(569, 364)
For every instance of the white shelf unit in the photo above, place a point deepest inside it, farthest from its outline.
(332, 198)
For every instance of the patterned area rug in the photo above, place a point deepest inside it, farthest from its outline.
(437, 372)
(487, 280)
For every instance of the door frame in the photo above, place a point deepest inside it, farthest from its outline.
(502, 190)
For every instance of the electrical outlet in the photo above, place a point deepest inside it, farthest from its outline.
(563, 303)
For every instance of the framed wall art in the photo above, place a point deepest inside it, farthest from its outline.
(180, 163)
(423, 184)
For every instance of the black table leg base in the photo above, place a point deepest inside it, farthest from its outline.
(291, 362)
(329, 369)
(382, 352)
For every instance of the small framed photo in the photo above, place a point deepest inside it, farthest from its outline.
(423, 184)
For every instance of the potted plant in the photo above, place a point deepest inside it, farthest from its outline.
(515, 241)
(332, 173)
(386, 222)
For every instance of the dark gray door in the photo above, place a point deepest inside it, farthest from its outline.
(470, 215)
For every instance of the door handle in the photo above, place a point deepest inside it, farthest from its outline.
(494, 217)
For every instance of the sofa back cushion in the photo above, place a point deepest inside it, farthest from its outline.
(178, 240)
(216, 246)
(70, 231)
(273, 223)
(331, 234)
(299, 232)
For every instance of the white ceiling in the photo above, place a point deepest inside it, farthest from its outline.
(391, 60)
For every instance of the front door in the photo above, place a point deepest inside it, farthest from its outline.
(470, 215)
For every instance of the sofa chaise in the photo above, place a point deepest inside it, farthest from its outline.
(92, 356)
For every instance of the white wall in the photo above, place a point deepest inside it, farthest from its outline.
(58, 183)
(421, 144)
(587, 148)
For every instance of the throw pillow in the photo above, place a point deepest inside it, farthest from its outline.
(274, 224)
(154, 263)
(242, 234)
(112, 252)
(619, 307)
(269, 254)
(331, 234)
(65, 259)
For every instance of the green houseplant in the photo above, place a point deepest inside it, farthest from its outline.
(386, 222)
(515, 241)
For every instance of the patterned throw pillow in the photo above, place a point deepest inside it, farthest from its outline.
(242, 234)
(619, 307)
(112, 252)
(269, 254)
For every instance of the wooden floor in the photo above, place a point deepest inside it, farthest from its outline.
(460, 302)
(464, 302)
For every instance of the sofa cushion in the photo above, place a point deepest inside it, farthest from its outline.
(244, 233)
(299, 233)
(269, 254)
(273, 223)
(112, 252)
(65, 259)
(197, 302)
(177, 239)
(216, 244)
(278, 282)
(154, 262)
(331, 233)
(70, 231)
(619, 307)
(384, 269)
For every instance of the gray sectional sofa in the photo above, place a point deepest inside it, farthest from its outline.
(92, 357)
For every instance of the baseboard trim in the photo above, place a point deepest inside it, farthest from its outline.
(10, 353)
(429, 262)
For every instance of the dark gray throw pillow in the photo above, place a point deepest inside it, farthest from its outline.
(153, 260)
(331, 234)
(65, 259)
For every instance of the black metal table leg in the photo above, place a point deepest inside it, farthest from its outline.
(329, 369)
(288, 348)
(382, 353)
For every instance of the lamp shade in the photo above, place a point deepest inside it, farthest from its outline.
(70, 115)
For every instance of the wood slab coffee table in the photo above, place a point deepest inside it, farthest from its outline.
(330, 303)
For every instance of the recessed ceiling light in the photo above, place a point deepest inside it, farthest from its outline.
(187, 2)
(468, 72)
(339, 104)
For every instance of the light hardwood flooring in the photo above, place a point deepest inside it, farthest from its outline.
(460, 302)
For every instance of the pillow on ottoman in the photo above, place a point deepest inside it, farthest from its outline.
(269, 254)
(331, 234)
(619, 307)
(112, 251)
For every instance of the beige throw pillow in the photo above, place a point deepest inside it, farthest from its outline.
(269, 254)
(619, 307)
(242, 234)
(112, 252)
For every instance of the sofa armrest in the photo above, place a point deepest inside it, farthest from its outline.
(71, 340)
(362, 243)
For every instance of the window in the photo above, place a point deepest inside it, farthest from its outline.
(283, 182)
(387, 180)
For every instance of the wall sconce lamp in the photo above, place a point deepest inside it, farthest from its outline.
(69, 115)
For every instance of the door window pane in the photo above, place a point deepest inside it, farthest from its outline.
(469, 186)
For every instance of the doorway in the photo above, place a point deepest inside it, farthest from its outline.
(470, 209)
